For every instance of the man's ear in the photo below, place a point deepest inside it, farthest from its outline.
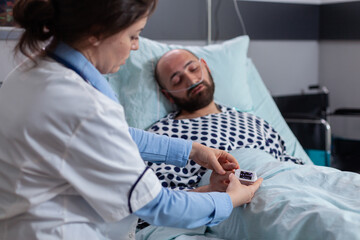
(205, 64)
(167, 95)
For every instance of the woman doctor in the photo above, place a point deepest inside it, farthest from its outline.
(70, 167)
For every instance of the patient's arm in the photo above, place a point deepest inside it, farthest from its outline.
(218, 183)
(239, 193)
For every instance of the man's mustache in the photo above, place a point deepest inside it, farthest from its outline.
(192, 88)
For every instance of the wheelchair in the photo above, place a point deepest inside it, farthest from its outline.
(308, 117)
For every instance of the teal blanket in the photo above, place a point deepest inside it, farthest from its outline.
(293, 202)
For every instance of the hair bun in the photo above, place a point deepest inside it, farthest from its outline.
(35, 16)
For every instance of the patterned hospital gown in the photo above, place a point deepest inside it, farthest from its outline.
(227, 130)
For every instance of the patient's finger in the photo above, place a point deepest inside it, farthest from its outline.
(255, 186)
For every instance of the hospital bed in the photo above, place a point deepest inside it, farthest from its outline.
(317, 129)
(294, 201)
(345, 154)
(307, 116)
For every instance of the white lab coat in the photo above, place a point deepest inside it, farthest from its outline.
(67, 160)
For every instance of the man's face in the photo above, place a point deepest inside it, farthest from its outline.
(178, 70)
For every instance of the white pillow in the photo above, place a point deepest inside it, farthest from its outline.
(144, 103)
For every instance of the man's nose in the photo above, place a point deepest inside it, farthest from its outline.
(135, 46)
(191, 78)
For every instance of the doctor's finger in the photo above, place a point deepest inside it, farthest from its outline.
(225, 157)
(215, 165)
(229, 166)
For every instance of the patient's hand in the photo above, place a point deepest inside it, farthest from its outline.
(241, 194)
(218, 183)
(217, 160)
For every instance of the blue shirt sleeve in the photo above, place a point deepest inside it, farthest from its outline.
(183, 209)
(161, 149)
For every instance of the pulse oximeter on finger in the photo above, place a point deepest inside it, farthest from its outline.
(246, 177)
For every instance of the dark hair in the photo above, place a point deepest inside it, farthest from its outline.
(73, 20)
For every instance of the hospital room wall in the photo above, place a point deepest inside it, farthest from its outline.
(285, 66)
(339, 67)
(288, 54)
(289, 67)
(293, 45)
(7, 61)
(281, 75)
(339, 53)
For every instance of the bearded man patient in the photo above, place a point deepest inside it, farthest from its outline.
(186, 81)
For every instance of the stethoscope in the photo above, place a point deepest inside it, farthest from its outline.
(80, 73)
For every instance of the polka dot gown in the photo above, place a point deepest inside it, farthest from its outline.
(227, 130)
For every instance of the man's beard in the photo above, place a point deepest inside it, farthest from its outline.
(198, 101)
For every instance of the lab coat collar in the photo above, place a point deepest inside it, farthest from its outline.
(76, 61)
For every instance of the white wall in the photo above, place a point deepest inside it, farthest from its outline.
(335, 1)
(7, 62)
(290, 1)
(286, 67)
(340, 72)
(304, 1)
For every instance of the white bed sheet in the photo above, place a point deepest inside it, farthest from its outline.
(294, 202)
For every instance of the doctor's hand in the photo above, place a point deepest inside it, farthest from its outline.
(217, 160)
(239, 193)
